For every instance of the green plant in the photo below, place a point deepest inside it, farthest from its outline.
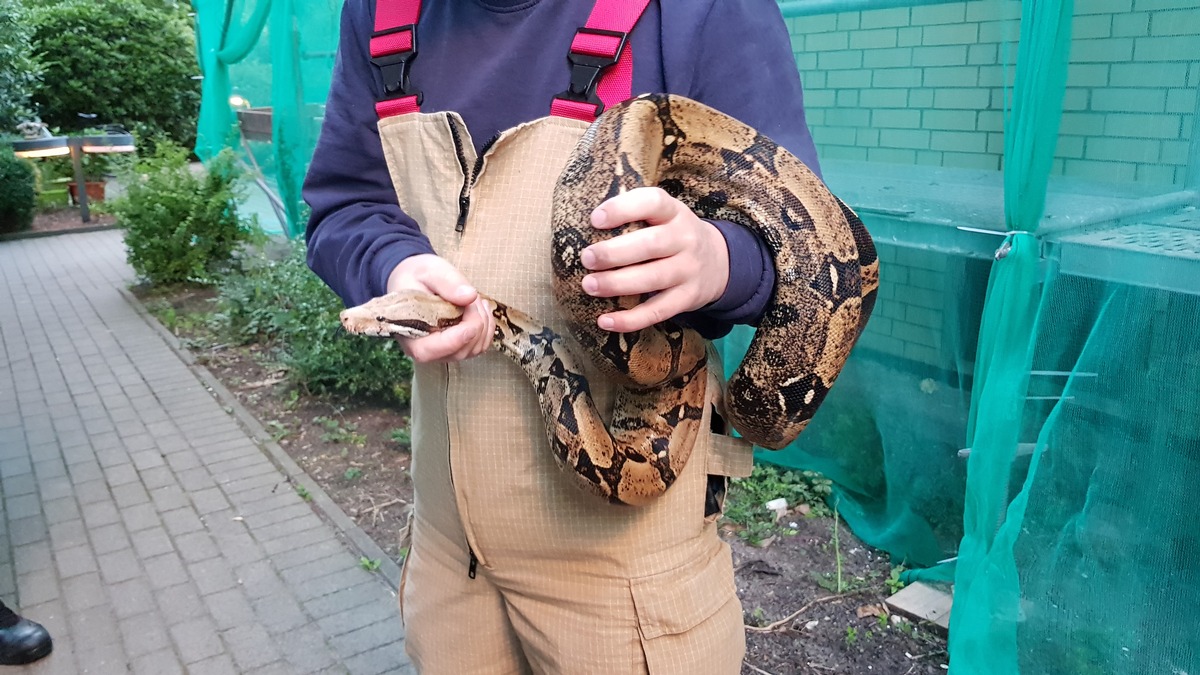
(851, 635)
(21, 70)
(402, 436)
(353, 473)
(18, 197)
(745, 504)
(278, 430)
(369, 564)
(304, 493)
(126, 60)
(181, 225)
(337, 432)
(283, 302)
(893, 582)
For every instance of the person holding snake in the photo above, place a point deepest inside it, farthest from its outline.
(469, 203)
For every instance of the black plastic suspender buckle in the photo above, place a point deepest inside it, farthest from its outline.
(394, 67)
(586, 69)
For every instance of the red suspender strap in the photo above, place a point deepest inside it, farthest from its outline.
(393, 48)
(599, 46)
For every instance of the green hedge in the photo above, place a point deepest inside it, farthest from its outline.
(20, 71)
(125, 61)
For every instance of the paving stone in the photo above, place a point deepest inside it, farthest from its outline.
(196, 546)
(197, 639)
(119, 566)
(180, 603)
(84, 592)
(109, 538)
(230, 609)
(144, 634)
(132, 598)
(162, 662)
(251, 647)
(151, 542)
(165, 571)
(68, 534)
(75, 561)
(96, 516)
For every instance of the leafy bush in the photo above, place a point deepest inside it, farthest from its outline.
(20, 73)
(125, 61)
(285, 303)
(18, 196)
(181, 225)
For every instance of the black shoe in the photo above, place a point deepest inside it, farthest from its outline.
(24, 642)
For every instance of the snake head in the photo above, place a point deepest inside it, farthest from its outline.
(407, 314)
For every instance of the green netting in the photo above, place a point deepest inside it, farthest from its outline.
(1021, 427)
(1020, 419)
(266, 67)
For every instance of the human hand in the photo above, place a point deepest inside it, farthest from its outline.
(469, 338)
(680, 258)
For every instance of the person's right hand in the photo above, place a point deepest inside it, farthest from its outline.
(434, 275)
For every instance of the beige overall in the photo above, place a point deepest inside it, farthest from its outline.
(513, 569)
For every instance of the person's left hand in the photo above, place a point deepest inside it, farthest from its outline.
(680, 258)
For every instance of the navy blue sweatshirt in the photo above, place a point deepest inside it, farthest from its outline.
(499, 63)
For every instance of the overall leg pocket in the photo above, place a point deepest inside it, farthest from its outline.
(690, 619)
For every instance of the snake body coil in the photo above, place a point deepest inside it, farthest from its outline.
(826, 268)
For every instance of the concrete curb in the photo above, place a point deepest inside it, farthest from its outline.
(14, 236)
(322, 503)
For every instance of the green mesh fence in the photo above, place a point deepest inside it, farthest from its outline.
(1020, 421)
(266, 67)
(1023, 428)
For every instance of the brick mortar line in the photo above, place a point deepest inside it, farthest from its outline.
(323, 504)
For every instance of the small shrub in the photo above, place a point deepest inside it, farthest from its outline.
(181, 225)
(18, 194)
(285, 303)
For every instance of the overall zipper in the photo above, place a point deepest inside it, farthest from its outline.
(460, 225)
(464, 194)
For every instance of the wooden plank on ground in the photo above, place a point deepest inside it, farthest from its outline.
(924, 603)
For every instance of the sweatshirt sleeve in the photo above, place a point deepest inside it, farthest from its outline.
(357, 232)
(740, 62)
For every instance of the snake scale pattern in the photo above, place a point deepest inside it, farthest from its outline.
(827, 273)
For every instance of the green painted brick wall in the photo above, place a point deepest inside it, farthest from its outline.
(928, 82)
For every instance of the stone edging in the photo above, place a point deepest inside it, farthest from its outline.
(30, 234)
(321, 501)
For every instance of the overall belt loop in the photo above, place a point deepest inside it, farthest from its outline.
(393, 49)
(597, 47)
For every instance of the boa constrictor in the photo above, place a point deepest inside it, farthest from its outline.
(827, 273)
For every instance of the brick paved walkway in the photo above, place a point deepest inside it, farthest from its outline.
(139, 522)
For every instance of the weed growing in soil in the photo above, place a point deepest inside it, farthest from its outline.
(745, 505)
(339, 432)
(402, 436)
